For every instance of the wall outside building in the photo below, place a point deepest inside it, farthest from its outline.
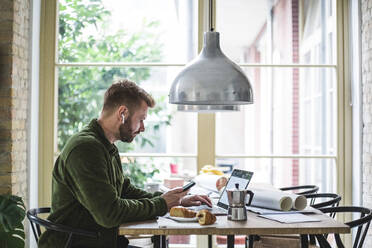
(366, 15)
(14, 97)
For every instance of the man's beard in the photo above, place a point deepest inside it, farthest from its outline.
(126, 132)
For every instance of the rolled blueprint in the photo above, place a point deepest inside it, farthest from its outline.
(299, 202)
(278, 200)
(271, 199)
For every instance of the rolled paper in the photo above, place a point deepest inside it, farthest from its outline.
(299, 201)
(277, 200)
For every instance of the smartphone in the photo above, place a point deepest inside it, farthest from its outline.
(188, 186)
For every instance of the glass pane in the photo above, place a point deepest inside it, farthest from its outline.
(256, 31)
(80, 99)
(283, 172)
(294, 112)
(127, 31)
(143, 170)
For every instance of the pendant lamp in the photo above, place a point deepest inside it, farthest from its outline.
(211, 82)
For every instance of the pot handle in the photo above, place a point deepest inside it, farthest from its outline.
(251, 194)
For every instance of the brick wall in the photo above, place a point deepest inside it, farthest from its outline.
(14, 96)
(366, 13)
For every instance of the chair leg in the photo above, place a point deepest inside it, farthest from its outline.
(68, 243)
(156, 241)
(312, 240)
(322, 241)
(250, 241)
(304, 241)
(34, 231)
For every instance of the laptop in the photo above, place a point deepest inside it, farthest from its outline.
(241, 177)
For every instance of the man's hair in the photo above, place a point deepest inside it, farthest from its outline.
(128, 93)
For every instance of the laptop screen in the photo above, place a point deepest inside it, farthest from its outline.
(241, 177)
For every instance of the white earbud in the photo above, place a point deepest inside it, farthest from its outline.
(123, 120)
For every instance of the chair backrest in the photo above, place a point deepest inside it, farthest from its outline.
(362, 224)
(302, 189)
(36, 222)
(327, 200)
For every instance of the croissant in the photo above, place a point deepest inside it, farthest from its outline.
(205, 217)
(182, 212)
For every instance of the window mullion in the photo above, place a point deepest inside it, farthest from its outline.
(48, 96)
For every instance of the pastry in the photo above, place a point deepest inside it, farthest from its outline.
(205, 217)
(182, 212)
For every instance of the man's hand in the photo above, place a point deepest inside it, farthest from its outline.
(196, 200)
(173, 197)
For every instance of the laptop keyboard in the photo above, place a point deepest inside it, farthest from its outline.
(214, 210)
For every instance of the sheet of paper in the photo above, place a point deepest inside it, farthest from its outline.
(290, 217)
(258, 210)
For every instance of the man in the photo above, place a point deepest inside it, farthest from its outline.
(89, 190)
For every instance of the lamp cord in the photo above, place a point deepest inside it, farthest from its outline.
(211, 28)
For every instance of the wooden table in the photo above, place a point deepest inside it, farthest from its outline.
(223, 226)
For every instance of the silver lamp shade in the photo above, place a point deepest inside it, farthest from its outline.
(211, 82)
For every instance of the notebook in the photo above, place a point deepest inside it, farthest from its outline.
(240, 177)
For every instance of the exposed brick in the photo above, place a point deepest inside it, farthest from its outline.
(5, 157)
(6, 5)
(5, 178)
(6, 167)
(5, 49)
(5, 36)
(5, 189)
(5, 59)
(5, 91)
(5, 102)
(6, 15)
(6, 27)
(14, 96)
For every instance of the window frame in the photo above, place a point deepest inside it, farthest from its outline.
(206, 152)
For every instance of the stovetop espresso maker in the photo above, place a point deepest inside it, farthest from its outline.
(237, 203)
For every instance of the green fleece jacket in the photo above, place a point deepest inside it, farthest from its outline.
(89, 191)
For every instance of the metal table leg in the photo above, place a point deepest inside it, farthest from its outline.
(230, 241)
(163, 241)
(156, 241)
(209, 241)
(160, 241)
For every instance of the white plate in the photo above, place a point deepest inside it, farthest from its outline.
(181, 219)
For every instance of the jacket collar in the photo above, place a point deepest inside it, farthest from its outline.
(96, 128)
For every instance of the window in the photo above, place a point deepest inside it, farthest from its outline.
(101, 41)
(287, 135)
(297, 130)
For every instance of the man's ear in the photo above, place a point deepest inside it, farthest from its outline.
(122, 110)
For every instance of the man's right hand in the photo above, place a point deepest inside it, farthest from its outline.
(173, 197)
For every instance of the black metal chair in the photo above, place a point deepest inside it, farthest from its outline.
(36, 222)
(362, 223)
(305, 189)
(331, 200)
